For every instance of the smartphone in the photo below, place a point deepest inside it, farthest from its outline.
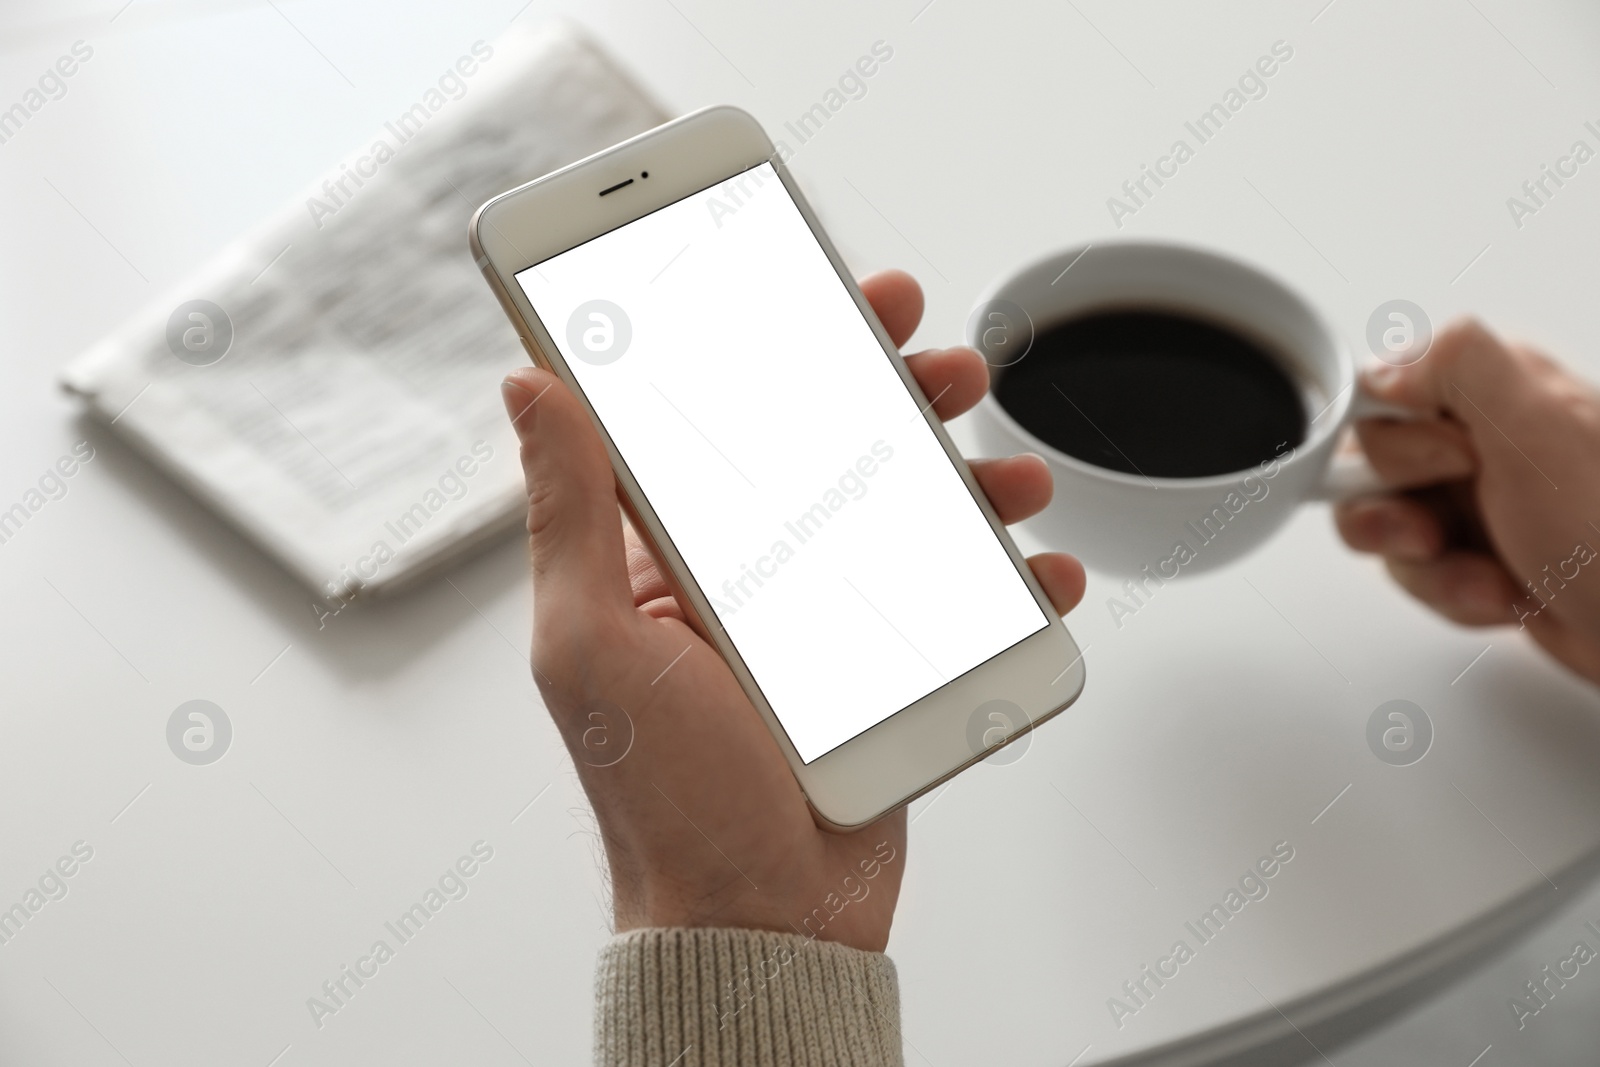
(773, 451)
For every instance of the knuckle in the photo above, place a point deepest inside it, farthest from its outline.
(1571, 399)
(544, 509)
(1458, 341)
(576, 641)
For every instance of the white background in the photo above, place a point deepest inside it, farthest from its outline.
(1224, 717)
(750, 385)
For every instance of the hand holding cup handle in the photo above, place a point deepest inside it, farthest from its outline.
(1489, 507)
(1474, 479)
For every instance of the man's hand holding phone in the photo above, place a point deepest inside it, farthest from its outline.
(701, 817)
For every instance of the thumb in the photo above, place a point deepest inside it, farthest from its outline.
(1467, 372)
(574, 528)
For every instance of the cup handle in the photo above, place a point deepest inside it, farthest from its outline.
(1349, 474)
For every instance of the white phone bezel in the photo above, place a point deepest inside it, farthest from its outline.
(911, 751)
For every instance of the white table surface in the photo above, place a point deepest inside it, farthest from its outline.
(369, 755)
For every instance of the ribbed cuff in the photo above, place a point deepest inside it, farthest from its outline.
(743, 998)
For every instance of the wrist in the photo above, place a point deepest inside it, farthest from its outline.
(857, 913)
(662, 907)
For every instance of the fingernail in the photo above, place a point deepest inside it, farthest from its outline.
(1400, 535)
(1380, 379)
(1407, 541)
(518, 401)
(1390, 532)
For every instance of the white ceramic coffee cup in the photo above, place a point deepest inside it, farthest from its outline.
(1127, 524)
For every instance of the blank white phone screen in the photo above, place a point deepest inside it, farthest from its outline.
(789, 464)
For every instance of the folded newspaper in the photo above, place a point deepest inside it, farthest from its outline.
(329, 383)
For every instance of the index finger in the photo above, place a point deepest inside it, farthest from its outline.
(1465, 370)
(897, 299)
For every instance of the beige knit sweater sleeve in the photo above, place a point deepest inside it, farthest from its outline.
(743, 998)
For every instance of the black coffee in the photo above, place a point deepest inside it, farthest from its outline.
(1154, 393)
